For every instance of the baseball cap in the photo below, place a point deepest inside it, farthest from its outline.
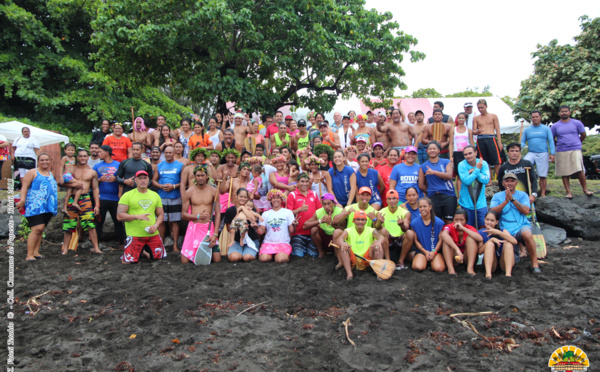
(141, 173)
(289, 117)
(322, 124)
(381, 113)
(369, 112)
(419, 112)
(360, 139)
(509, 175)
(345, 117)
(106, 148)
(392, 193)
(301, 123)
(364, 189)
(410, 149)
(328, 196)
(468, 104)
(360, 214)
(378, 144)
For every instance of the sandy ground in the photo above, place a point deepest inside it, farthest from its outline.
(87, 312)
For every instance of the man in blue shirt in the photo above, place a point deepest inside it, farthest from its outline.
(539, 139)
(513, 207)
(109, 192)
(167, 179)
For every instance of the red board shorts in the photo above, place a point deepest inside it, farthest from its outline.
(358, 263)
(134, 247)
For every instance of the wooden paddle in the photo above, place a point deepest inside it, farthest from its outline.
(224, 238)
(250, 144)
(538, 237)
(74, 238)
(521, 133)
(382, 268)
(203, 255)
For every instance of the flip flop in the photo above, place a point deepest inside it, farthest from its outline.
(589, 193)
(570, 197)
(31, 259)
(39, 257)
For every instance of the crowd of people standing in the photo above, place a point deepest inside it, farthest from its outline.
(373, 185)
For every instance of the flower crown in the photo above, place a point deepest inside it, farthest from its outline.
(314, 159)
(310, 114)
(274, 193)
(278, 158)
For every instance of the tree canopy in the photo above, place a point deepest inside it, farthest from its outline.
(46, 72)
(259, 54)
(565, 74)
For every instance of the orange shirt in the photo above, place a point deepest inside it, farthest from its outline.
(119, 147)
(199, 141)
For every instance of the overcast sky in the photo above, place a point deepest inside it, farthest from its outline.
(472, 44)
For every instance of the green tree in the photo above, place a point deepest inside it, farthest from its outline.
(424, 93)
(258, 54)
(565, 74)
(472, 93)
(46, 73)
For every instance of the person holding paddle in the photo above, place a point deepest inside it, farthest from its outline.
(359, 240)
(197, 205)
(513, 207)
(474, 174)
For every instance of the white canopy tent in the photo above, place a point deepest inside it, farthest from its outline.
(12, 129)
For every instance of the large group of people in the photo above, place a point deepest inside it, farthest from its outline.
(363, 187)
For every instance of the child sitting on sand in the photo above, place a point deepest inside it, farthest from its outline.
(67, 164)
(244, 215)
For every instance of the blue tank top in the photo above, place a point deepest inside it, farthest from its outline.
(371, 181)
(414, 213)
(169, 173)
(434, 183)
(41, 196)
(341, 183)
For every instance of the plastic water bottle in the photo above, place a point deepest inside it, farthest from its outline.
(147, 228)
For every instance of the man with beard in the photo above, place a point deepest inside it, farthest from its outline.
(129, 167)
(569, 134)
(401, 135)
(94, 159)
(85, 214)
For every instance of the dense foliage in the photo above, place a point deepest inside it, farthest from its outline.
(259, 54)
(47, 74)
(565, 74)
